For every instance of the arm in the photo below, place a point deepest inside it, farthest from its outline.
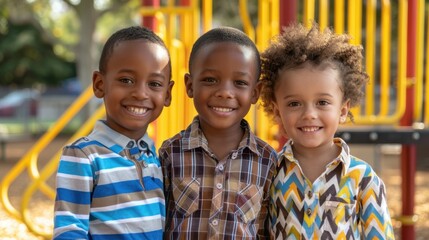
(166, 171)
(266, 206)
(374, 212)
(74, 185)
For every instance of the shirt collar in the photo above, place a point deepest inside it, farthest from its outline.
(118, 142)
(344, 156)
(193, 137)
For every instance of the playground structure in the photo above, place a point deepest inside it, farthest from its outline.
(395, 109)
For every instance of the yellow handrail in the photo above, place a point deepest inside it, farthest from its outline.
(32, 154)
(49, 169)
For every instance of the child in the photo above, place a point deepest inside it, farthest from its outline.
(109, 184)
(310, 80)
(217, 172)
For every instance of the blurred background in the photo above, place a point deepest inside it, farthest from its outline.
(49, 49)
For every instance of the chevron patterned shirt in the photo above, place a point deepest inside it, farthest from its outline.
(208, 198)
(348, 201)
(109, 187)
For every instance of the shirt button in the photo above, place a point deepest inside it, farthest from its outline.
(310, 194)
(215, 222)
(234, 155)
(219, 185)
(220, 167)
(308, 212)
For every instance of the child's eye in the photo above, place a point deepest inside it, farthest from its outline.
(323, 103)
(126, 80)
(209, 80)
(293, 104)
(155, 84)
(241, 83)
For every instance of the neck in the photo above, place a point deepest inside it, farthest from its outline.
(325, 153)
(223, 141)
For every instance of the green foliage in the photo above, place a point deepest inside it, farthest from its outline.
(226, 13)
(27, 58)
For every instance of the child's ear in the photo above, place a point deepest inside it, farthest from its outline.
(344, 111)
(188, 85)
(256, 92)
(167, 100)
(98, 84)
(278, 120)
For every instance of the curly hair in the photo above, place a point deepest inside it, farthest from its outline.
(297, 46)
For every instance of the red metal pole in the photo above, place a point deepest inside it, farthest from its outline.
(288, 11)
(408, 154)
(150, 21)
(185, 2)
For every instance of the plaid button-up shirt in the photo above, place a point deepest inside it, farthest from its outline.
(207, 198)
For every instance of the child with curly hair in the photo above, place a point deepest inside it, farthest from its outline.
(310, 80)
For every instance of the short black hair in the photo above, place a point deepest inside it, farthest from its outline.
(127, 34)
(225, 34)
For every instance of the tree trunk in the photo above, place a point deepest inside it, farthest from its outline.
(86, 47)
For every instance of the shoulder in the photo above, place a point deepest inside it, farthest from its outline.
(263, 145)
(265, 150)
(83, 144)
(175, 140)
(359, 164)
(367, 175)
(171, 145)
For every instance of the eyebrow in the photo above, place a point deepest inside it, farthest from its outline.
(153, 74)
(319, 95)
(209, 70)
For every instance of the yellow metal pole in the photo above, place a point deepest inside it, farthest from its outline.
(371, 7)
(309, 8)
(244, 15)
(385, 57)
(426, 118)
(339, 16)
(418, 89)
(207, 6)
(323, 14)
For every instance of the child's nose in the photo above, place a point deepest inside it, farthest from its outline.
(140, 91)
(309, 112)
(225, 90)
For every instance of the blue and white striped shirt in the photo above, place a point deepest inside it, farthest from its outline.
(109, 185)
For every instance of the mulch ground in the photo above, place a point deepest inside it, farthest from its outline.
(387, 166)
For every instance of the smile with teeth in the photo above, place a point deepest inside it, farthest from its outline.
(309, 129)
(222, 109)
(137, 110)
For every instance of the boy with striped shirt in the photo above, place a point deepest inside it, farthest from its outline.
(109, 183)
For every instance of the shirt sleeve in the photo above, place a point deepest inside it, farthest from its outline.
(74, 185)
(374, 211)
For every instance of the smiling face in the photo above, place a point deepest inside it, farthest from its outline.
(135, 86)
(309, 104)
(223, 83)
